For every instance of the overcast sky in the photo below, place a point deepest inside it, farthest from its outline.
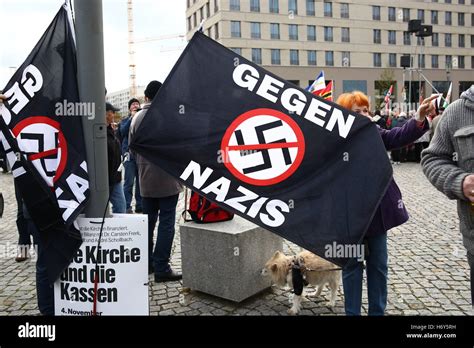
(22, 22)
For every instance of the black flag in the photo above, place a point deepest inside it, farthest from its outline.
(41, 131)
(295, 164)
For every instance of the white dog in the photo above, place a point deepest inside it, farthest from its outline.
(315, 270)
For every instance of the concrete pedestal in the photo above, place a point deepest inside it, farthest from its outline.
(225, 259)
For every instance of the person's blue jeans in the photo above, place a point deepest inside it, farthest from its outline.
(131, 177)
(377, 270)
(166, 208)
(44, 291)
(117, 199)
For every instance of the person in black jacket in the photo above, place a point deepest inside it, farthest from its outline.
(114, 156)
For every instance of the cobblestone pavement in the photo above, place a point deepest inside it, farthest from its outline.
(428, 271)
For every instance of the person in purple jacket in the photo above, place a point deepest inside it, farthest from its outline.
(390, 213)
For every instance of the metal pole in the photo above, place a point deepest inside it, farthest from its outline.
(90, 74)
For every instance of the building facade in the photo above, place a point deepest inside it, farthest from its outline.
(120, 99)
(358, 44)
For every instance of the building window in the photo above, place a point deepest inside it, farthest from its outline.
(377, 59)
(234, 5)
(201, 13)
(208, 10)
(311, 33)
(472, 19)
(447, 1)
(421, 15)
(421, 60)
(377, 36)
(344, 10)
(448, 18)
(274, 6)
(329, 58)
(434, 17)
(195, 19)
(188, 3)
(392, 14)
(293, 31)
(448, 64)
(328, 34)
(376, 13)
(461, 2)
(461, 19)
(189, 24)
(275, 31)
(472, 62)
(354, 85)
(257, 55)
(392, 37)
(327, 9)
(311, 57)
(237, 50)
(293, 6)
(310, 8)
(406, 14)
(346, 59)
(216, 6)
(435, 61)
(345, 35)
(255, 32)
(275, 53)
(255, 5)
(447, 40)
(216, 31)
(472, 41)
(461, 40)
(235, 29)
(392, 60)
(294, 57)
(435, 40)
(461, 64)
(406, 38)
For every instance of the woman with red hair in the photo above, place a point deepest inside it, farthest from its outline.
(390, 213)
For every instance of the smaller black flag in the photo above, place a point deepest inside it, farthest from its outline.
(41, 132)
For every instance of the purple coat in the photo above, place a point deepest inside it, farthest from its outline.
(391, 211)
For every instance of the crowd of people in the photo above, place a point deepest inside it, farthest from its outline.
(446, 154)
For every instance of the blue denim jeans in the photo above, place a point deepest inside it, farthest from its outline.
(131, 177)
(117, 199)
(166, 208)
(44, 291)
(377, 270)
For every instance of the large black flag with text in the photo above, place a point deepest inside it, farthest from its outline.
(42, 135)
(295, 164)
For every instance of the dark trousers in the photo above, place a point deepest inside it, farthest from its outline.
(470, 259)
(165, 208)
(21, 223)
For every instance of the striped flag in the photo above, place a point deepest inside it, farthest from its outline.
(387, 98)
(325, 93)
(318, 84)
(447, 100)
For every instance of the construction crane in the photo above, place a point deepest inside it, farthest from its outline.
(131, 52)
(131, 47)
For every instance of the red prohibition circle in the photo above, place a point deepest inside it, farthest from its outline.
(62, 144)
(263, 112)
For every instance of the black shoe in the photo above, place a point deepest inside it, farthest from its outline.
(167, 276)
(151, 269)
(138, 211)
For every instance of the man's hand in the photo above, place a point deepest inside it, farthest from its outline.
(426, 107)
(468, 187)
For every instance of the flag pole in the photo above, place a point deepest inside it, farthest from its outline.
(91, 81)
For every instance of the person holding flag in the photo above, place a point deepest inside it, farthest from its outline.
(318, 85)
(390, 213)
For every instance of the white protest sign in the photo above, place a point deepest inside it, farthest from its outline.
(122, 269)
